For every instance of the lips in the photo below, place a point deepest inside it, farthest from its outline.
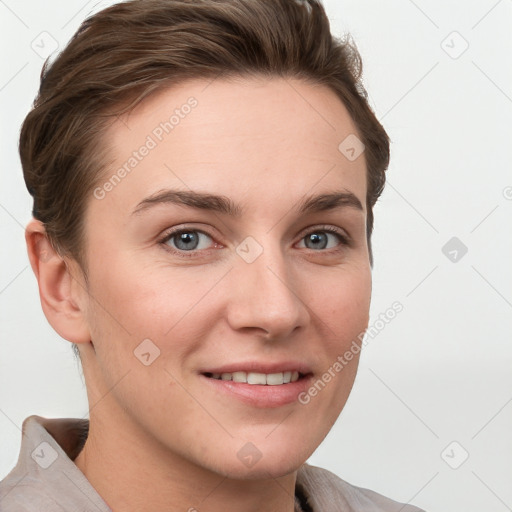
(259, 383)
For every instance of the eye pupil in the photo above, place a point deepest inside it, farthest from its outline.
(317, 239)
(186, 238)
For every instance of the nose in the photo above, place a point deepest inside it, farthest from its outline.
(265, 296)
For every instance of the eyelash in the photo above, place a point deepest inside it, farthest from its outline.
(343, 238)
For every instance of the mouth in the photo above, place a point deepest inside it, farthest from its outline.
(256, 387)
(255, 378)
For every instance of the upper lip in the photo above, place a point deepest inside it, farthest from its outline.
(260, 367)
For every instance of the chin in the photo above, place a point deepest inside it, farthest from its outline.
(269, 466)
(261, 460)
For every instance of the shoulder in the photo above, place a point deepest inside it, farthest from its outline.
(22, 489)
(44, 478)
(325, 491)
(25, 495)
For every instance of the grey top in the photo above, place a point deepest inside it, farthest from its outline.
(45, 478)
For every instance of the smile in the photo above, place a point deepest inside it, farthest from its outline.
(262, 379)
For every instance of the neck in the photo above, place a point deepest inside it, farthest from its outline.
(134, 473)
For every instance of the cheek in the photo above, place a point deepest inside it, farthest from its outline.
(152, 299)
(168, 306)
(346, 305)
(347, 315)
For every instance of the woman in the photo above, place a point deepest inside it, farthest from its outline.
(213, 372)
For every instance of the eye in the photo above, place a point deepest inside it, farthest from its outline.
(319, 238)
(188, 242)
(184, 240)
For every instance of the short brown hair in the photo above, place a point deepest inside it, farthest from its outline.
(124, 53)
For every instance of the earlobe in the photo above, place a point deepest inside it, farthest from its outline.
(62, 305)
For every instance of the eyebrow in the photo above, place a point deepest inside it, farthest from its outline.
(224, 205)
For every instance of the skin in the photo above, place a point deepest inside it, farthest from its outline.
(160, 437)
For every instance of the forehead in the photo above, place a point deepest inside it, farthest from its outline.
(267, 138)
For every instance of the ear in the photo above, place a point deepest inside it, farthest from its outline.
(62, 290)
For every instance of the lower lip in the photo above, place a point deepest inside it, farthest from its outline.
(258, 395)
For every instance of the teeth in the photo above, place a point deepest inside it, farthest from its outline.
(256, 378)
(239, 377)
(269, 379)
(273, 379)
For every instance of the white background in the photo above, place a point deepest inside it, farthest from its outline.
(441, 371)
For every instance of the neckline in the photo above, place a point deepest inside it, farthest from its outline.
(72, 433)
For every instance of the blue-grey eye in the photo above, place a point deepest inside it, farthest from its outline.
(188, 240)
(318, 240)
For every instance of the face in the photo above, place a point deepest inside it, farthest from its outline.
(212, 318)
